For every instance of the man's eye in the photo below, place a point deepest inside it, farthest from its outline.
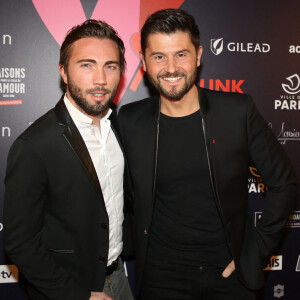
(111, 67)
(86, 65)
(158, 57)
(181, 55)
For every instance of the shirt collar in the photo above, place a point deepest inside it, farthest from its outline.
(78, 116)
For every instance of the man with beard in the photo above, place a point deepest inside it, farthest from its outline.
(63, 210)
(188, 151)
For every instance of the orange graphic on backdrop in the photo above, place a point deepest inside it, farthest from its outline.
(147, 8)
(128, 18)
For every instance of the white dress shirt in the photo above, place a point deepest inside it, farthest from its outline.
(108, 161)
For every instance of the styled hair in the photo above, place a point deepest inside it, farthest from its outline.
(169, 21)
(90, 28)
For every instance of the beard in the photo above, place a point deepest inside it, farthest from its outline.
(173, 93)
(95, 109)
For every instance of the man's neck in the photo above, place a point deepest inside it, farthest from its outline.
(187, 105)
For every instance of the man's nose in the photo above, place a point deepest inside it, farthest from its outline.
(99, 77)
(171, 66)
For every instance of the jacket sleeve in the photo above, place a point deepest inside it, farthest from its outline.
(277, 173)
(128, 230)
(24, 210)
(128, 244)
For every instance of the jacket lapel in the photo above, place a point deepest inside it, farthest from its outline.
(115, 128)
(156, 115)
(208, 123)
(204, 110)
(74, 139)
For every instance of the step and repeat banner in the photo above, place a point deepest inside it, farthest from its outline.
(250, 46)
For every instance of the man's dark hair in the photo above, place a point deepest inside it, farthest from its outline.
(169, 21)
(90, 28)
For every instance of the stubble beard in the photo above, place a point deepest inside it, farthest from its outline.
(91, 109)
(173, 94)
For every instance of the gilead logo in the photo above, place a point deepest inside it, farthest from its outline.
(9, 274)
(217, 46)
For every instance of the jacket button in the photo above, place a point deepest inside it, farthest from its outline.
(102, 258)
(146, 232)
(104, 225)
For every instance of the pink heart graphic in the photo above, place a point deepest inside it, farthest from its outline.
(60, 16)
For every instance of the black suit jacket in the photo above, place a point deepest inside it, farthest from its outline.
(55, 220)
(235, 135)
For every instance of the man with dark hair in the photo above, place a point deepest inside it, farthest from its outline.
(64, 210)
(188, 151)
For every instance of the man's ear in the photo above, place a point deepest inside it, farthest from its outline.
(199, 54)
(63, 73)
(143, 61)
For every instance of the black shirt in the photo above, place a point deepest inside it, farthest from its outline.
(186, 226)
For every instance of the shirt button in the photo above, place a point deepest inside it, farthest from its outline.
(146, 232)
(102, 258)
(104, 225)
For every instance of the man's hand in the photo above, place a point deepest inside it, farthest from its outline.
(229, 269)
(99, 296)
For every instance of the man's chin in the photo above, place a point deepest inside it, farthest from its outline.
(172, 96)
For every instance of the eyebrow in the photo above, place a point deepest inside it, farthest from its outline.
(109, 62)
(161, 53)
(86, 60)
(183, 50)
(156, 53)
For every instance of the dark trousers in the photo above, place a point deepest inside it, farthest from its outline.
(166, 281)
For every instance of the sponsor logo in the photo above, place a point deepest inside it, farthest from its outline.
(217, 47)
(294, 49)
(278, 291)
(298, 264)
(289, 101)
(294, 86)
(294, 220)
(5, 131)
(227, 85)
(257, 216)
(6, 39)
(255, 183)
(1, 226)
(9, 274)
(11, 85)
(287, 135)
(275, 263)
